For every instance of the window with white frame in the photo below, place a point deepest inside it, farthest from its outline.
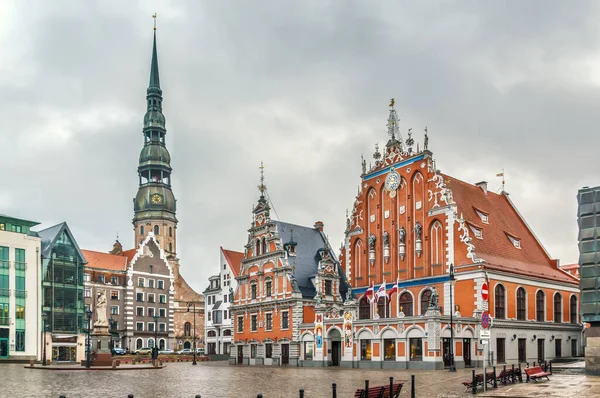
(483, 216)
(162, 327)
(161, 284)
(139, 326)
(516, 242)
(477, 232)
(151, 326)
(285, 320)
(162, 312)
(114, 310)
(150, 311)
(162, 299)
(139, 297)
(114, 294)
(139, 311)
(151, 283)
(150, 297)
(86, 277)
(141, 282)
(87, 293)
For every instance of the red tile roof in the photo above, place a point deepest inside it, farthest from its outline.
(503, 219)
(99, 260)
(570, 266)
(129, 254)
(234, 259)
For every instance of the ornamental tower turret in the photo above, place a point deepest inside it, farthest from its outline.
(154, 205)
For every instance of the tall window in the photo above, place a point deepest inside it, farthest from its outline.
(254, 323)
(187, 329)
(142, 230)
(557, 308)
(573, 310)
(170, 232)
(358, 252)
(240, 324)
(268, 285)
(257, 248)
(521, 304)
(253, 290)
(364, 309)
(269, 321)
(328, 288)
(425, 297)
(499, 298)
(437, 248)
(500, 350)
(406, 304)
(365, 350)
(383, 307)
(539, 306)
(156, 230)
(285, 320)
(389, 349)
(264, 245)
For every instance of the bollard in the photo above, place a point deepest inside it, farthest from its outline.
(391, 386)
(545, 366)
(412, 386)
(197, 396)
(512, 373)
(494, 376)
(130, 396)
(62, 396)
(366, 387)
(259, 396)
(302, 393)
(334, 390)
(520, 373)
(550, 366)
(527, 379)
(474, 386)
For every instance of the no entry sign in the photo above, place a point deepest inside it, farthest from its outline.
(484, 291)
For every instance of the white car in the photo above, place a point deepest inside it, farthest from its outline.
(185, 351)
(165, 352)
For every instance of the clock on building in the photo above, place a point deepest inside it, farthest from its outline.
(392, 182)
(156, 199)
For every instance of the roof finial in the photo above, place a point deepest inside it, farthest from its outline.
(262, 187)
(393, 121)
(426, 140)
(154, 16)
(392, 102)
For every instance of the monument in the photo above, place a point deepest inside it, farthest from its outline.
(101, 355)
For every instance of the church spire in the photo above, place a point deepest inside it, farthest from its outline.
(154, 77)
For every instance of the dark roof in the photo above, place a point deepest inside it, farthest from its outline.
(50, 235)
(309, 242)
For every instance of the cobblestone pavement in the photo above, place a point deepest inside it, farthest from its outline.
(218, 379)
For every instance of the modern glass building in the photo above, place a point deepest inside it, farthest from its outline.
(62, 292)
(588, 219)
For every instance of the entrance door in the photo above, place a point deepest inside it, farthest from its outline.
(522, 350)
(467, 352)
(558, 348)
(240, 356)
(336, 351)
(285, 354)
(574, 347)
(446, 351)
(3, 348)
(541, 355)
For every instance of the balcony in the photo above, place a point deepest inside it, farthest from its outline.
(4, 292)
(4, 321)
(4, 264)
(19, 266)
(20, 293)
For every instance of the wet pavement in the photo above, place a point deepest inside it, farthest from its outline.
(218, 379)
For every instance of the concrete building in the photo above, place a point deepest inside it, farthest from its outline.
(20, 290)
(218, 324)
(588, 219)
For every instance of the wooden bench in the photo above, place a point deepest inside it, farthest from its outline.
(489, 379)
(537, 372)
(373, 392)
(396, 388)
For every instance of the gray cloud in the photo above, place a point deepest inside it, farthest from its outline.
(302, 86)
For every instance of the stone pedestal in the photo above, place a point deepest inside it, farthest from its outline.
(100, 339)
(592, 351)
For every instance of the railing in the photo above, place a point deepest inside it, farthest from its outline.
(4, 321)
(20, 293)
(4, 292)
(19, 266)
(4, 264)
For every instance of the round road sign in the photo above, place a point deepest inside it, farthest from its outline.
(485, 320)
(484, 291)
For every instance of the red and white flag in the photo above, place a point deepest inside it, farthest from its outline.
(369, 291)
(381, 291)
(394, 288)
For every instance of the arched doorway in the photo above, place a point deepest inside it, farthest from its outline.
(335, 340)
(187, 344)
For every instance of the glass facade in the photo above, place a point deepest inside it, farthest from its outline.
(588, 220)
(62, 287)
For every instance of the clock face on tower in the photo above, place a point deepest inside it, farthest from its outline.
(156, 199)
(392, 182)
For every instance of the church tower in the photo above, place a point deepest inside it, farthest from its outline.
(155, 205)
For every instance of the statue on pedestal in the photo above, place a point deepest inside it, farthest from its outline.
(101, 320)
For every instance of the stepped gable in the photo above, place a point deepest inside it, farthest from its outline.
(504, 220)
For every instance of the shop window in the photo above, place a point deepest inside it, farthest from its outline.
(365, 350)
(416, 349)
(308, 350)
(269, 350)
(389, 349)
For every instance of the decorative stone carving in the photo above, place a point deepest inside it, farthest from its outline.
(101, 320)
(434, 300)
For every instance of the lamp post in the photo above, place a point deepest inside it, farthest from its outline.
(155, 348)
(452, 282)
(110, 329)
(88, 314)
(44, 317)
(192, 304)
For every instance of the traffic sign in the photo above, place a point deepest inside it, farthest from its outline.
(485, 334)
(484, 291)
(485, 320)
(484, 306)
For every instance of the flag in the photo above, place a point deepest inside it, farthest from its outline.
(381, 291)
(369, 291)
(500, 174)
(394, 288)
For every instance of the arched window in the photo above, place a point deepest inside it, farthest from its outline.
(212, 333)
(437, 254)
(557, 308)
(187, 329)
(257, 252)
(226, 332)
(253, 289)
(364, 309)
(521, 304)
(161, 344)
(539, 306)
(139, 343)
(170, 232)
(156, 230)
(151, 342)
(573, 310)
(264, 245)
(142, 230)
(383, 307)
(406, 304)
(170, 247)
(425, 297)
(358, 257)
(499, 299)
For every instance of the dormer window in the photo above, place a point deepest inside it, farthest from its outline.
(515, 241)
(483, 215)
(477, 232)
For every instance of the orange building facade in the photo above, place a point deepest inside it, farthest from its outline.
(408, 225)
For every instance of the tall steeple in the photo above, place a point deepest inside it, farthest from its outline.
(155, 205)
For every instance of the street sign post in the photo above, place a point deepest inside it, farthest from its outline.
(484, 291)
(486, 320)
(485, 334)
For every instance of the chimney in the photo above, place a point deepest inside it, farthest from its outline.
(482, 185)
(319, 225)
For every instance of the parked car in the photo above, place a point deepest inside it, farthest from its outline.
(165, 352)
(143, 351)
(199, 351)
(185, 351)
(119, 351)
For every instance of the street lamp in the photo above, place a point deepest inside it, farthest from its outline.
(88, 314)
(452, 282)
(44, 317)
(155, 348)
(192, 304)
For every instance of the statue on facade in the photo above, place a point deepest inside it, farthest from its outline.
(418, 230)
(372, 240)
(433, 300)
(386, 239)
(101, 319)
(364, 164)
(401, 234)
(426, 140)
(230, 294)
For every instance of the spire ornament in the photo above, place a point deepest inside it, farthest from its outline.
(425, 140)
(377, 154)
(392, 123)
(154, 16)
(262, 187)
(409, 141)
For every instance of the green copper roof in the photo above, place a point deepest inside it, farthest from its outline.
(154, 78)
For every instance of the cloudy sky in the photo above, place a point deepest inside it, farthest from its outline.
(303, 86)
